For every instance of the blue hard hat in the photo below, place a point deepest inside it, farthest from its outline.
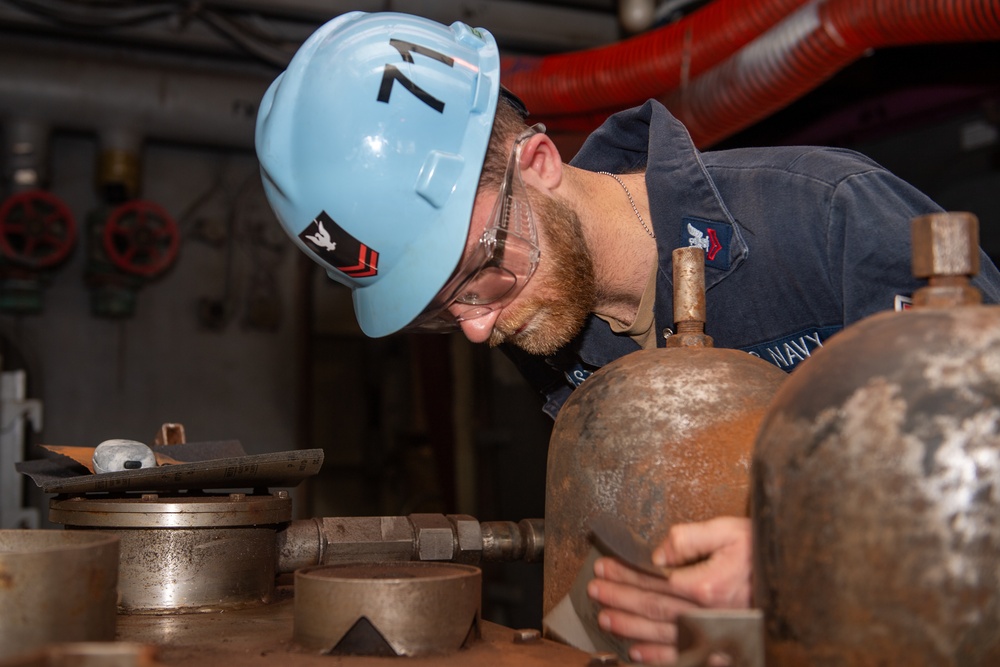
(371, 145)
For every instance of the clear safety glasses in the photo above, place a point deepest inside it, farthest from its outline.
(492, 273)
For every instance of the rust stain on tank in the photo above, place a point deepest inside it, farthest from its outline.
(657, 437)
(876, 499)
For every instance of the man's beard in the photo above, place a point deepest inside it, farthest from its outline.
(567, 293)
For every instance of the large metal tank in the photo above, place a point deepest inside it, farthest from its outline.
(654, 438)
(876, 484)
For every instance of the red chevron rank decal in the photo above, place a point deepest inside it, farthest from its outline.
(332, 244)
(713, 244)
(367, 264)
(712, 236)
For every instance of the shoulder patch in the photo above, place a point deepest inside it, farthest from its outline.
(712, 237)
(338, 248)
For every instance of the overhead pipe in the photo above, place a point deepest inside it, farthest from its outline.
(124, 98)
(718, 77)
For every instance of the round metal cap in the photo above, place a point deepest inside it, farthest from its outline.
(407, 608)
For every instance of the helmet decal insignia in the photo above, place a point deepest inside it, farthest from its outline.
(338, 248)
(391, 74)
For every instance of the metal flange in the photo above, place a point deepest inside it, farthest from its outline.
(151, 510)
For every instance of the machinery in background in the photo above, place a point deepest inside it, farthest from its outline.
(220, 551)
(130, 241)
(37, 234)
(197, 566)
(208, 548)
(37, 229)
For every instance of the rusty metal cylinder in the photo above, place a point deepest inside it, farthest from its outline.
(876, 484)
(653, 438)
(56, 586)
(689, 287)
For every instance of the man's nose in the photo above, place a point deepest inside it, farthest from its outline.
(478, 330)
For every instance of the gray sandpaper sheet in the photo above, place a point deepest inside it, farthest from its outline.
(219, 464)
(574, 619)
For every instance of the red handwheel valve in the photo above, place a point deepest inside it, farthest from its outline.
(141, 238)
(37, 229)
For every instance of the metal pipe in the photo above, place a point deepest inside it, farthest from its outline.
(423, 537)
(124, 99)
(689, 298)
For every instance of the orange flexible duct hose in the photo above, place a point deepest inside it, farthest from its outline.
(575, 92)
(811, 46)
(645, 66)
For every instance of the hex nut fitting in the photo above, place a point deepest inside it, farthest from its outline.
(469, 537)
(435, 536)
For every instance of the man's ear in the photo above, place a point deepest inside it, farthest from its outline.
(541, 164)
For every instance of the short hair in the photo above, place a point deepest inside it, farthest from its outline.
(508, 124)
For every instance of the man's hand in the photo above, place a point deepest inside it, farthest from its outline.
(712, 563)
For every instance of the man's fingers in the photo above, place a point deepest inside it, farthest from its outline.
(723, 579)
(689, 542)
(614, 570)
(713, 590)
(636, 628)
(715, 562)
(653, 605)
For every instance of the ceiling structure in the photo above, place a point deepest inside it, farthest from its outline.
(270, 31)
(262, 35)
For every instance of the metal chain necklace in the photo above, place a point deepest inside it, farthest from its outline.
(630, 201)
